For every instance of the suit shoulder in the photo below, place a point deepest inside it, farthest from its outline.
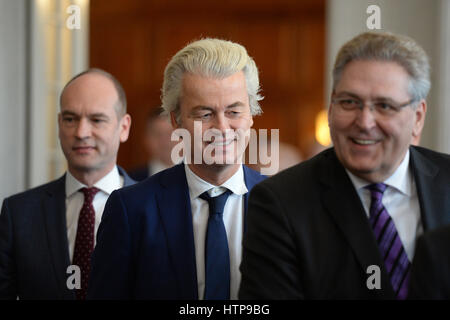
(437, 159)
(254, 175)
(151, 185)
(35, 193)
(431, 154)
(304, 173)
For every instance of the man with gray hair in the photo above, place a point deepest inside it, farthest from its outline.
(343, 225)
(178, 234)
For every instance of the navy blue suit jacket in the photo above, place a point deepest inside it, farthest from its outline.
(145, 242)
(34, 250)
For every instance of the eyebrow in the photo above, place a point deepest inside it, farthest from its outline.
(233, 105)
(346, 93)
(97, 115)
(384, 99)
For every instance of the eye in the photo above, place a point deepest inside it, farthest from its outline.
(68, 119)
(205, 116)
(384, 106)
(233, 113)
(98, 120)
(349, 103)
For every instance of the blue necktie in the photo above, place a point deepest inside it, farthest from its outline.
(217, 256)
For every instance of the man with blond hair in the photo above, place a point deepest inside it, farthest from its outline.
(178, 234)
(344, 224)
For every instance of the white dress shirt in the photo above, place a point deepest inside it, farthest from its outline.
(233, 218)
(401, 202)
(75, 200)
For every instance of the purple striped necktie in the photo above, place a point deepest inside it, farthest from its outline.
(390, 245)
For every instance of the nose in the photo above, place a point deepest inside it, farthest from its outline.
(365, 118)
(221, 122)
(83, 129)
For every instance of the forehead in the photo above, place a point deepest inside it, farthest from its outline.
(212, 92)
(371, 79)
(89, 93)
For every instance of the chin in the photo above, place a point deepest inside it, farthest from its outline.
(360, 166)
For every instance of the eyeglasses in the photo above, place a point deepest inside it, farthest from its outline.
(383, 108)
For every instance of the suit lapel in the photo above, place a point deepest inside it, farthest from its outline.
(54, 209)
(344, 206)
(430, 201)
(127, 181)
(250, 180)
(174, 207)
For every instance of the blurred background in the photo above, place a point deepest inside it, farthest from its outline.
(294, 42)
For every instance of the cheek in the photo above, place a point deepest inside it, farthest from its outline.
(398, 132)
(339, 125)
(64, 136)
(241, 123)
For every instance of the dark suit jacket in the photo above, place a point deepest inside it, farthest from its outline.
(430, 274)
(34, 250)
(309, 237)
(140, 173)
(145, 242)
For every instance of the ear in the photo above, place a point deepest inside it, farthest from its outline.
(330, 107)
(125, 124)
(59, 122)
(419, 120)
(173, 120)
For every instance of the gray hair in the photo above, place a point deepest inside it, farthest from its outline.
(388, 47)
(121, 104)
(210, 58)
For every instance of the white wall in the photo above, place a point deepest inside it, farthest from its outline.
(12, 96)
(39, 54)
(419, 19)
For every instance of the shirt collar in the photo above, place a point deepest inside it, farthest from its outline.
(197, 185)
(401, 179)
(107, 184)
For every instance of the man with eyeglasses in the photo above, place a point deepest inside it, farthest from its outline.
(343, 225)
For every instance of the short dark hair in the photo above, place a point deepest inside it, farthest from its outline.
(121, 105)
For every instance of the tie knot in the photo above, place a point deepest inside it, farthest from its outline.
(216, 204)
(89, 193)
(377, 190)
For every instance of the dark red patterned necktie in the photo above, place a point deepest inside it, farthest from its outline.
(84, 242)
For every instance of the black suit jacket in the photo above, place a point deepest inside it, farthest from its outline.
(34, 250)
(309, 237)
(430, 274)
(140, 174)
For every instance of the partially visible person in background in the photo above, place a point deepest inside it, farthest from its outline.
(158, 146)
(288, 156)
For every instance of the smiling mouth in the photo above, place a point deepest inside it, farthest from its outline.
(364, 142)
(82, 148)
(222, 143)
